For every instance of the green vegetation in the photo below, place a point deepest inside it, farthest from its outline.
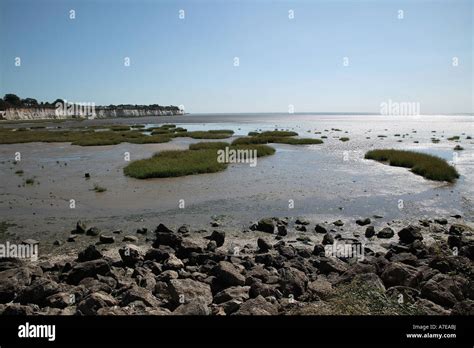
(119, 128)
(456, 137)
(29, 181)
(19, 172)
(280, 137)
(211, 134)
(428, 166)
(200, 158)
(435, 140)
(458, 148)
(344, 139)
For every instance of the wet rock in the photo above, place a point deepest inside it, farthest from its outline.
(409, 234)
(72, 238)
(457, 229)
(130, 255)
(318, 250)
(93, 302)
(93, 231)
(397, 273)
(257, 306)
(266, 225)
(183, 229)
(80, 227)
(211, 246)
(142, 230)
(328, 239)
(106, 239)
(282, 230)
(320, 229)
(87, 269)
(301, 221)
(370, 231)
(188, 291)
(228, 275)
(338, 223)
(441, 221)
(162, 229)
(88, 254)
(385, 232)
(218, 237)
(300, 228)
(363, 222)
(263, 245)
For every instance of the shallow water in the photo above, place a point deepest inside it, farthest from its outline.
(326, 182)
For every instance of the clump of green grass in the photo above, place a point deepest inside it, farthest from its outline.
(19, 172)
(252, 134)
(344, 139)
(99, 189)
(209, 145)
(382, 136)
(458, 148)
(138, 126)
(119, 128)
(277, 133)
(435, 140)
(211, 134)
(30, 181)
(456, 137)
(428, 166)
(298, 141)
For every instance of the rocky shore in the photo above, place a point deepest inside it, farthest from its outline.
(184, 272)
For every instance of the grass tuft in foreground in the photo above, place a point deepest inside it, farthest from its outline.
(428, 166)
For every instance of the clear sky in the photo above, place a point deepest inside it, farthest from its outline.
(283, 61)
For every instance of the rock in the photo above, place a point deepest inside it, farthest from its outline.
(282, 230)
(322, 288)
(211, 246)
(184, 291)
(218, 237)
(167, 238)
(441, 221)
(93, 302)
(158, 255)
(292, 282)
(106, 239)
(80, 227)
(320, 229)
(385, 232)
(38, 291)
(130, 255)
(301, 221)
(72, 238)
(409, 234)
(87, 175)
(300, 228)
(162, 228)
(30, 241)
(60, 300)
(57, 243)
(187, 248)
(331, 264)
(257, 288)
(266, 225)
(173, 263)
(363, 222)
(319, 250)
(257, 306)
(93, 231)
(465, 307)
(445, 290)
(17, 309)
(263, 245)
(369, 232)
(328, 239)
(228, 275)
(129, 238)
(183, 229)
(88, 254)
(430, 308)
(457, 229)
(396, 273)
(87, 269)
(338, 223)
(240, 293)
(192, 308)
(142, 230)
(370, 280)
(117, 231)
(136, 293)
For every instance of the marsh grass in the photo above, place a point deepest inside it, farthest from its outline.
(275, 139)
(344, 139)
(30, 181)
(453, 138)
(211, 134)
(458, 148)
(199, 159)
(428, 166)
(19, 172)
(119, 128)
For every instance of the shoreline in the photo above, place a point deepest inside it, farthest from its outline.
(264, 270)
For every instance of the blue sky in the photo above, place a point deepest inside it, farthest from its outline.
(283, 61)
